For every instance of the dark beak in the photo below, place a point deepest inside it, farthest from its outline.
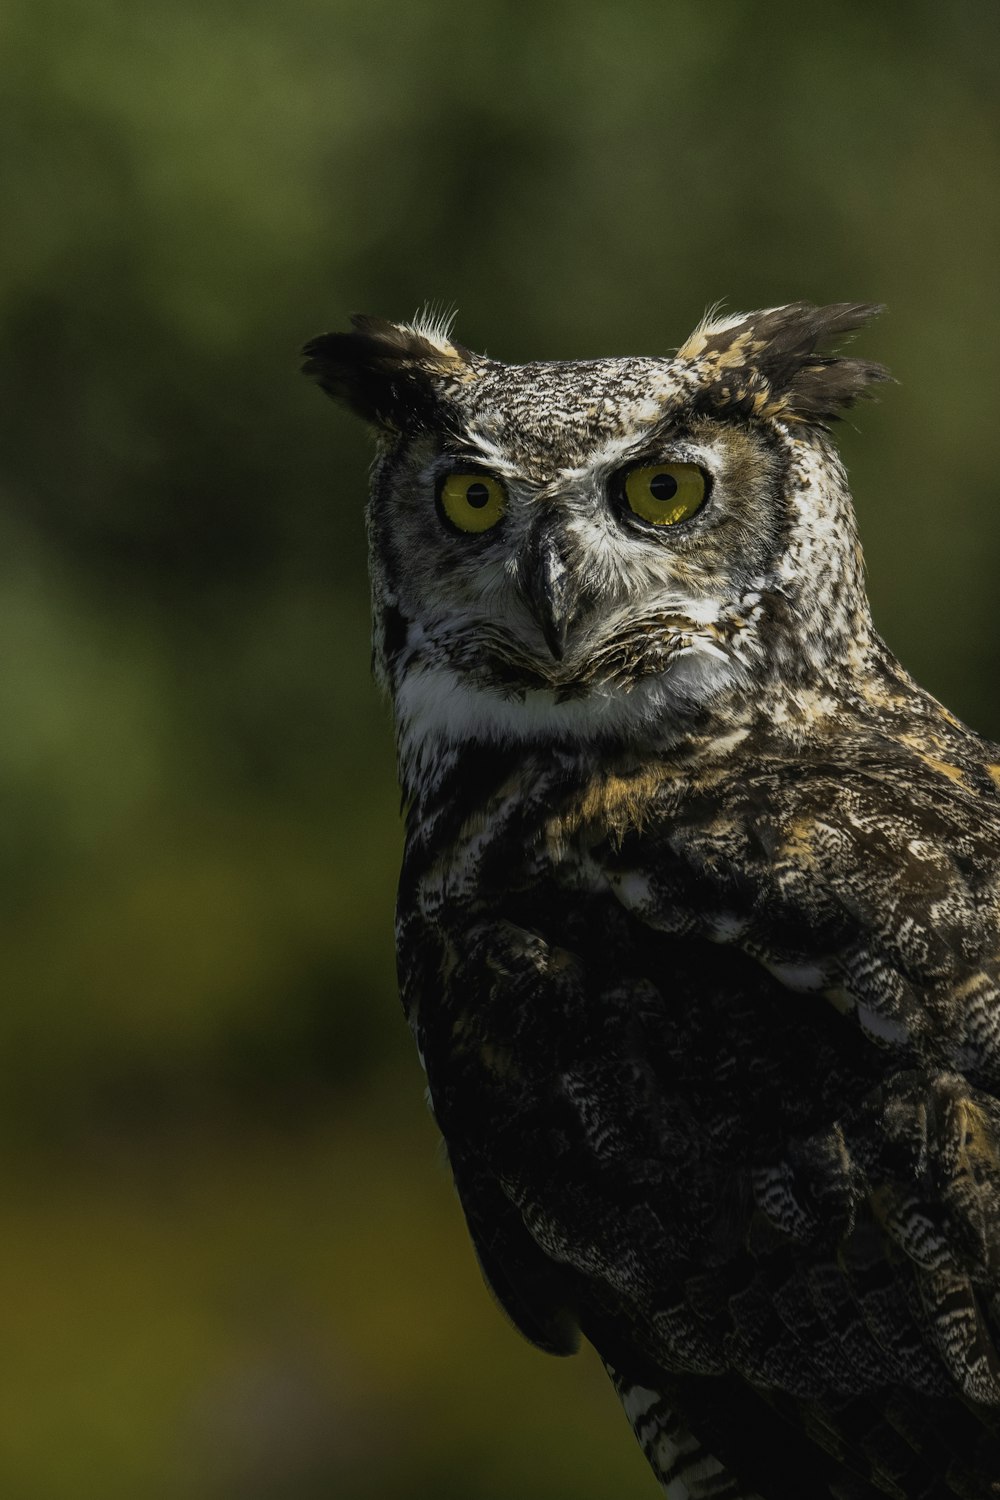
(548, 583)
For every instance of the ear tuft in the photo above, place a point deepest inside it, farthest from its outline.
(768, 363)
(389, 373)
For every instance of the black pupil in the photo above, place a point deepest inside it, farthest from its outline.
(478, 495)
(663, 486)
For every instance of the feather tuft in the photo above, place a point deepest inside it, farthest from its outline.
(769, 362)
(389, 373)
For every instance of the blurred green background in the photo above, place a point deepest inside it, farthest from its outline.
(232, 1264)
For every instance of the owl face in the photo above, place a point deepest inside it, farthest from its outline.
(606, 546)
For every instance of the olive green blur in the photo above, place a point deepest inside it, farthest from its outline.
(233, 1267)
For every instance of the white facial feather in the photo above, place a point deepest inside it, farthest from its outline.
(438, 707)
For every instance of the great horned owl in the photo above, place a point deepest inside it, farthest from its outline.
(699, 917)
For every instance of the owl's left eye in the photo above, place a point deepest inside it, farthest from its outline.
(471, 502)
(664, 494)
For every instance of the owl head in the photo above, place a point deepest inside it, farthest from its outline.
(605, 548)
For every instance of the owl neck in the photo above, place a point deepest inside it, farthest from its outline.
(707, 707)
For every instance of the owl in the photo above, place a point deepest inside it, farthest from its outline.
(699, 914)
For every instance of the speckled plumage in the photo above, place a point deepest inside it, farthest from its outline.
(699, 917)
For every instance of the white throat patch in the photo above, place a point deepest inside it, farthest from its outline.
(438, 708)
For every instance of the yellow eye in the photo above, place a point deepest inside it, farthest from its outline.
(472, 502)
(665, 493)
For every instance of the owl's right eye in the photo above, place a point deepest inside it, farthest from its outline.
(471, 502)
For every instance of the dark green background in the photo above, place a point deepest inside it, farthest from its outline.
(232, 1266)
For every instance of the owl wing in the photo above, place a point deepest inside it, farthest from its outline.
(873, 889)
(537, 1295)
(876, 887)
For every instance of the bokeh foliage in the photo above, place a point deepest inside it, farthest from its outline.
(233, 1268)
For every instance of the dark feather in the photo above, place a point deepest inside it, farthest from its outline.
(536, 1294)
(385, 372)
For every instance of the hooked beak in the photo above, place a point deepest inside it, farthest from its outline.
(551, 592)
